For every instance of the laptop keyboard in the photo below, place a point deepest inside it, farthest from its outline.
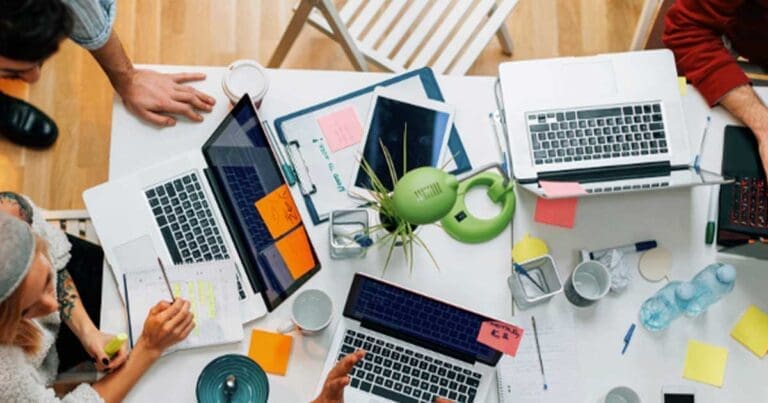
(400, 374)
(573, 135)
(186, 222)
(246, 188)
(750, 203)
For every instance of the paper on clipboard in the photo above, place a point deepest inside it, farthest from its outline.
(329, 172)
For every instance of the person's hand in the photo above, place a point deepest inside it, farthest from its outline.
(166, 325)
(94, 343)
(762, 146)
(152, 96)
(333, 388)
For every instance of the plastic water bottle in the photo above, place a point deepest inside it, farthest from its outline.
(711, 284)
(666, 305)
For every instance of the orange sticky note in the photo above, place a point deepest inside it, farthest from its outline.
(296, 252)
(500, 336)
(278, 211)
(560, 212)
(271, 351)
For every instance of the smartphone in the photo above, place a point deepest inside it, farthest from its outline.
(678, 394)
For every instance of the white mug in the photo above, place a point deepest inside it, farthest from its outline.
(311, 312)
(622, 394)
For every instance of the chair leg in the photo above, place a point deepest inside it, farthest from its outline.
(298, 20)
(505, 39)
(342, 35)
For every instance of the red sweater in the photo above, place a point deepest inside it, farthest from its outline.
(694, 31)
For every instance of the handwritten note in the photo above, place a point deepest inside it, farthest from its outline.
(341, 128)
(296, 252)
(705, 363)
(752, 331)
(559, 212)
(559, 189)
(271, 351)
(278, 211)
(500, 336)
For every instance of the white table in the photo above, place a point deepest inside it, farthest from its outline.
(474, 276)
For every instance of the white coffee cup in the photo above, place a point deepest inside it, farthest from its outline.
(622, 394)
(245, 76)
(589, 282)
(311, 312)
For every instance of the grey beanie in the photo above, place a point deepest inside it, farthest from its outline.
(17, 250)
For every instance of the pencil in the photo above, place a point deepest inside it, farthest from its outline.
(538, 351)
(165, 277)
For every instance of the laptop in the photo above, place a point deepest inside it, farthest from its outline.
(743, 205)
(417, 347)
(612, 122)
(228, 200)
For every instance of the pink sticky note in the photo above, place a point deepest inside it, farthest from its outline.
(560, 212)
(556, 189)
(341, 128)
(500, 336)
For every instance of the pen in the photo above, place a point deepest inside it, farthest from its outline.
(699, 156)
(290, 174)
(538, 351)
(165, 277)
(499, 132)
(521, 270)
(631, 248)
(628, 338)
(709, 236)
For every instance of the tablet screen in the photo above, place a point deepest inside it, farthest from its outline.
(427, 131)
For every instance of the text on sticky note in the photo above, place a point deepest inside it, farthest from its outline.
(341, 128)
(500, 336)
(278, 211)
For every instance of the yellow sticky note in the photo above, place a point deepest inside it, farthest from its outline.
(752, 331)
(278, 211)
(297, 252)
(705, 363)
(271, 351)
(682, 85)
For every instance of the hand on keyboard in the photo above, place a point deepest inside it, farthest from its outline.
(333, 389)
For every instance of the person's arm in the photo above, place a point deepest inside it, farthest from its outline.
(148, 94)
(166, 325)
(693, 31)
(744, 104)
(74, 315)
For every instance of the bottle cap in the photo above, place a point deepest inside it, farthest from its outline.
(726, 273)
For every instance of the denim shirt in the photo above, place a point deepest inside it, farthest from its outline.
(93, 20)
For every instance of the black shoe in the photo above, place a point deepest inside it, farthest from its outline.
(24, 124)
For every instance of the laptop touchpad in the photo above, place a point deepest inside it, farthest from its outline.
(136, 255)
(588, 80)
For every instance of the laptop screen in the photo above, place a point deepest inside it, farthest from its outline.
(418, 319)
(257, 205)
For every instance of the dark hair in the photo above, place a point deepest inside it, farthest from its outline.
(31, 30)
(24, 207)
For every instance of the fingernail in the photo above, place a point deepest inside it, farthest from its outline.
(105, 361)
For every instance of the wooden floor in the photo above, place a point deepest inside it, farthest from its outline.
(214, 32)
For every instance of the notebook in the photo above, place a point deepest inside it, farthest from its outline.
(211, 289)
(519, 377)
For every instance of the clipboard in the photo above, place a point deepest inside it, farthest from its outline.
(322, 175)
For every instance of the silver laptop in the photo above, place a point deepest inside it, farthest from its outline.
(417, 347)
(199, 206)
(612, 122)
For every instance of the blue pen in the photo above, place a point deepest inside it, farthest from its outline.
(628, 338)
(521, 270)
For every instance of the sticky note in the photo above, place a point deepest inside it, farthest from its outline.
(705, 363)
(559, 212)
(752, 331)
(278, 211)
(296, 252)
(557, 189)
(270, 350)
(500, 336)
(682, 85)
(341, 128)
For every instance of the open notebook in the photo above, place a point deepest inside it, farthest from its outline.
(211, 289)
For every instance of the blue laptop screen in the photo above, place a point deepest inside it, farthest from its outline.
(261, 214)
(418, 319)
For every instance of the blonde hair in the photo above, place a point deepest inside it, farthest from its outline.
(15, 329)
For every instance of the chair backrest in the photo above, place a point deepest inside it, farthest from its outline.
(74, 222)
(399, 35)
(650, 25)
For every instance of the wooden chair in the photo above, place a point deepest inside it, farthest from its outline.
(74, 222)
(650, 25)
(399, 35)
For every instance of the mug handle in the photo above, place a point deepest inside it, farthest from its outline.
(287, 327)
